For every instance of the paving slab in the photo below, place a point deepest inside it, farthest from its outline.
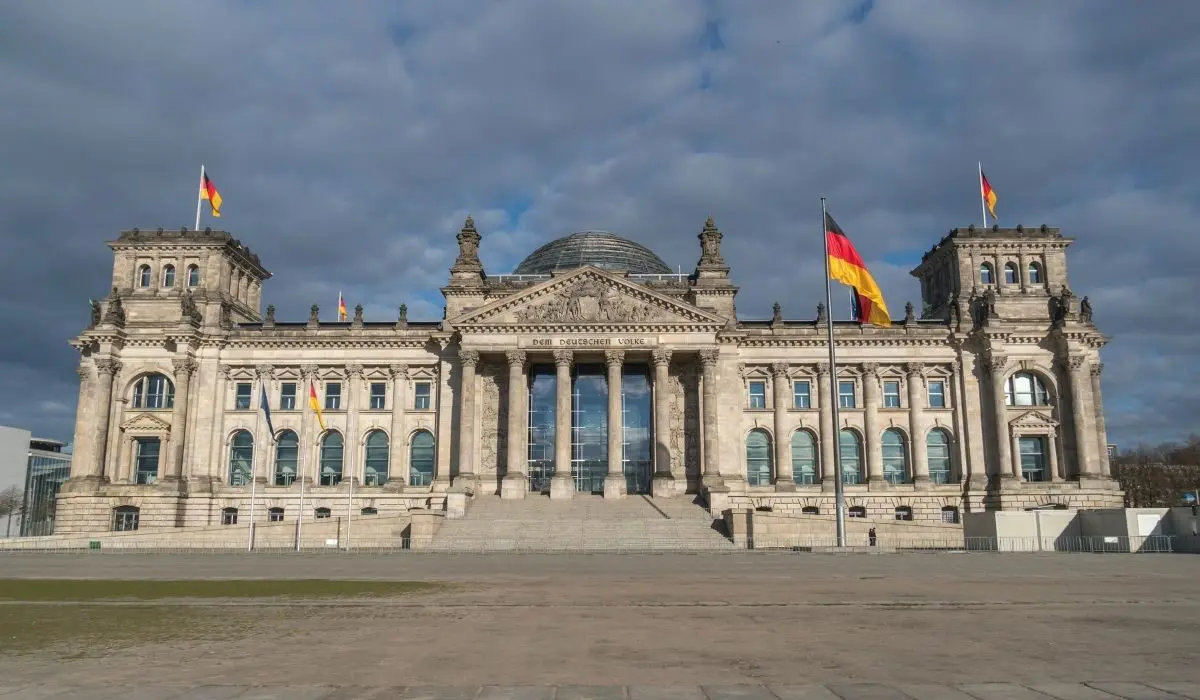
(212, 692)
(665, 692)
(39, 692)
(516, 692)
(357, 692)
(1071, 691)
(806, 691)
(738, 692)
(113, 693)
(287, 692)
(866, 691)
(1135, 691)
(1187, 690)
(1000, 691)
(440, 692)
(591, 692)
(933, 691)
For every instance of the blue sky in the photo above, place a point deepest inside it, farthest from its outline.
(350, 140)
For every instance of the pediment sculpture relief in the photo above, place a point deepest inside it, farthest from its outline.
(590, 302)
(146, 423)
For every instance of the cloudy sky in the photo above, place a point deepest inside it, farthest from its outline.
(349, 141)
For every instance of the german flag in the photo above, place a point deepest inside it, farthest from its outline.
(209, 191)
(989, 195)
(341, 307)
(846, 266)
(315, 405)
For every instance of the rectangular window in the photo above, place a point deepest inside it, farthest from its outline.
(287, 396)
(275, 515)
(146, 459)
(937, 394)
(333, 396)
(891, 394)
(758, 394)
(242, 399)
(378, 395)
(421, 396)
(1033, 458)
(229, 516)
(800, 395)
(846, 394)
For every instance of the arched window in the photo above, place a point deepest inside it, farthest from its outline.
(241, 458)
(125, 518)
(985, 274)
(153, 391)
(420, 459)
(903, 513)
(1035, 273)
(851, 453)
(321, 513)
(229, 516)
(1010, 274)
(275, 515)
(144, 276)
(369, 511)
(804, 457)
(332, 447)
(1026, 389)
(758, 459)
(857, 512)
(193, 273)
(895, 457)
(375, 471)
(949, 514)
(937, 449)
(168, 276)
(810, 510)
(287, 449)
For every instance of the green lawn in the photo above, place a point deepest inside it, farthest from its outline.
(88, 590)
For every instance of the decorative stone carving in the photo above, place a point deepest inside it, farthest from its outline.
(468, 247)
(107, 366)
(871, 369)
(675, 406)
(1085, 311)
(821, 312)
(187, 308)
(308, 371)
(709, 357)
(1074, 363)
(776, 314)
(915, 369)
(614, 357)
(1097, 369)
(226, 320)
(358, 316)
(563, 358)
(468, 358)
(115, 314)
(822, 369)
(493, 427)
(402, 321)
(184, 366)
(398, 371)
(909, 316)
(97, 315)
(354, 371)
(661, 356)
(269, 321)
(588, 301)
(84, 373)
(314, 314)
(226, 372)
(710, 245)
(779, 370)
(515, 357)
(995, 363)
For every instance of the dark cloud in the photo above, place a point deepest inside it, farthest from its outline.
(349, 146)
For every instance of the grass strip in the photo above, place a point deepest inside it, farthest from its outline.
(84, 590)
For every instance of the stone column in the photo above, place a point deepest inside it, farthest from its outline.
(1052, 448)
(562, 486)
(1023, 273)
(664, 482)
(614, 481)
(214, 471)
(1084, 443)
(712, 462)
(106, 368)
(397, 457)
(84, 429)
(1101, 429)
(916, 423)
(352, 458)
(444, 420)
(514, 484)
(1006, 467)
(468, 360)
(870, 379)
(829, 432)
(310, 445)
(783, 452)
(262, 445)
(1015, 452)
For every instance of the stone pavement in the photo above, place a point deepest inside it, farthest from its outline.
(1158, 690)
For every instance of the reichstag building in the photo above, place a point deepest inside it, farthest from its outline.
(591, 371)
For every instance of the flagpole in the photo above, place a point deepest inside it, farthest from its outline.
(982, 199)
(199, 197)
(253, 470)
(839, 496)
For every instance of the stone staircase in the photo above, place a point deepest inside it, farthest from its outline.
(585, 523)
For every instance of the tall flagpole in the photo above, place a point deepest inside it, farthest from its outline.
(199, 198)
(254, 468)
(982, 199)
(839, 495)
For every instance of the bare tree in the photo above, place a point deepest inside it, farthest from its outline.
(10, 505)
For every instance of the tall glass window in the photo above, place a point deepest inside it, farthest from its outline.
(193, 276)
(1010, 274)
(937, 447)
(378, 395)
(985, 274)
(543, 387)
(1033, 458)
(242, 396)
(895, 457)
(804, 457)
(332, 448)
(144, 276)
(420, 459)
(851, 454)
(891, 394)
(937, 394)
(589, 428)
(333, 396)
(287, 396)
(375, 467)
(287, 449)
(169, 276)
(1026, 389)
(800, 395)
(153, 391)
(421, 396)
(148, 449)
(637, 437)
(758, 394)
(758, 458)
(241, 458)
(1035, 273)
(846, 394)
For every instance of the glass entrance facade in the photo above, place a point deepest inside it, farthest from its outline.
(637, 442)
(589, 428)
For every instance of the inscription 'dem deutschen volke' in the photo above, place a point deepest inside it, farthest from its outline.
(602, 342)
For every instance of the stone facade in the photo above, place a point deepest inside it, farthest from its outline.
(990, 399)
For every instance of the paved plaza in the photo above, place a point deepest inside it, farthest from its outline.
(718, 626)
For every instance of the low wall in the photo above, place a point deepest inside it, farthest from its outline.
(1102, 529)
(769, 530)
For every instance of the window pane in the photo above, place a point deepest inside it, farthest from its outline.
(846, 394)
(937, 448)
(758, 395)
(804, 458)
(758, 459)
(543, 387)
(1033, 458)
(891, 394)
(169, 276)
(287, 396)
(144, 276)
(241, 458)
(376, 464)
(801, 397)
(420, 470)
(637, 412)
(147, 460)
(333, 396)
(378, 395)
(589, 428)
(242, 400)
(1035, 273)
(275, 515)
(985, 274)
(851, 457)
(286, 452)
(1010, 274)
(193, 276)
(331, 459)
(421, 396)
(937, 394)
(895, 457)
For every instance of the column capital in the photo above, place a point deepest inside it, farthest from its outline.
(661, 357)
(1073, 363)
(515, 358)
(183, 367)
(398, 371)
(353, 371)
(265, 371)
(915, 369)
(871, 369)
(995, 363)
(822, 369)
(106, 366)
(779, 369)
(614, 358)
(84, 372)
(563, 358)
(1097, 369)
(308, 371)
(709, 357)
(468, 358)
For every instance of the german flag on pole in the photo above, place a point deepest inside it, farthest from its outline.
(209, 191)
(846, 266)
(989, 195)
(315, 405)
(341, 307)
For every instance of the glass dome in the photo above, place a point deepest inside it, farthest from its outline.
(598, 248)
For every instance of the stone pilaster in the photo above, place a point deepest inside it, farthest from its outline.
(307, 458)
(1023, 273)
(614, 480)
(84, 430)
(106, 369)
(712, 462)
(1006, 466)
(468, 361)
(664, 481)
(398, 457)
(1085, 443)
(214, 471)
(916, 422)
(515, 483)
(1101, 428)
(444, 420)
(259, 464)
(829, 435)
(782, 443)
(870, 380)
(352, 462)
(562, 486)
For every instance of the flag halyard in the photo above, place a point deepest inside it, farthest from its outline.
(847, 266)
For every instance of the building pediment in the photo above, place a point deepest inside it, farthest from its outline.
(588, 297)
(1033, 421)
(146, 423)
